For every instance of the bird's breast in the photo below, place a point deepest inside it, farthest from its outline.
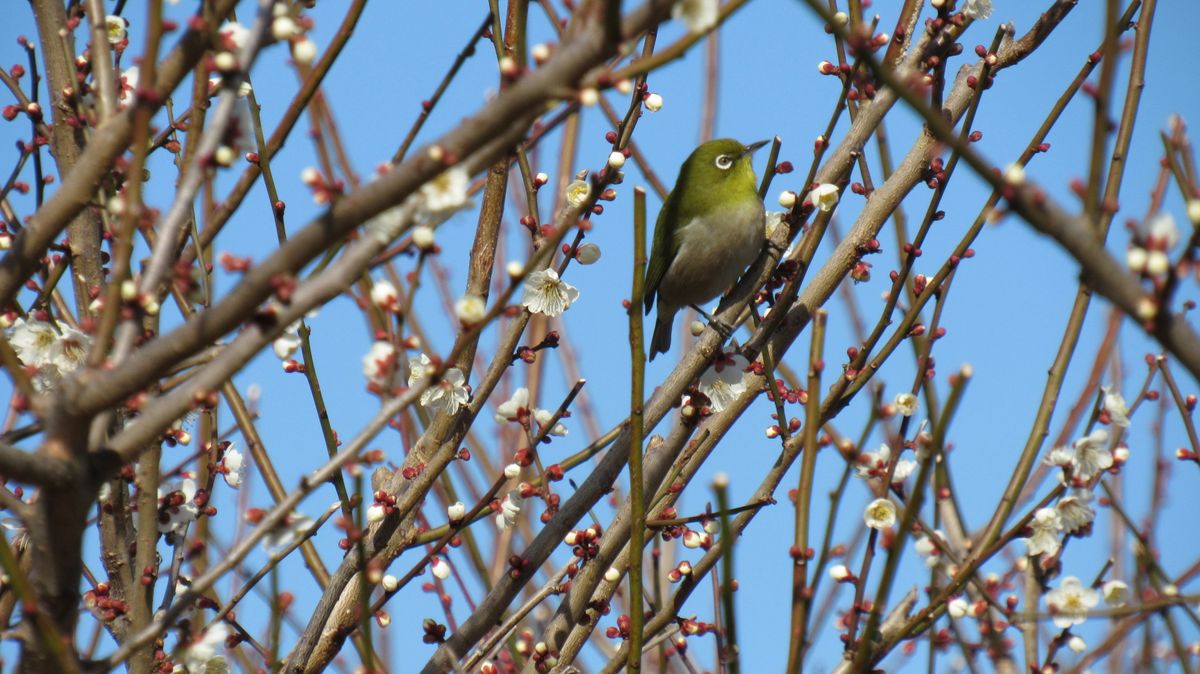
(713, 252)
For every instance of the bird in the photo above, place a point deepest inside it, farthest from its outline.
(710, 228)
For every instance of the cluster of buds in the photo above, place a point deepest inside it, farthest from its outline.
(528, 353)
(435, 632)
(109, 608)
(324, 190)
(683, 570)
(385, 505)
(585, 543)
(544, 658)
(353, 532)
(775, 430)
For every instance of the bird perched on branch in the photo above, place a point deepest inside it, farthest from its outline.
(710, 228)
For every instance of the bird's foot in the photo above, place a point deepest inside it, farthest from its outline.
(723, 329)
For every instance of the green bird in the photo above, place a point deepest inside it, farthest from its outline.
(710, 228)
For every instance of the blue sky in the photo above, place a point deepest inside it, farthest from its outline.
(1005, 315)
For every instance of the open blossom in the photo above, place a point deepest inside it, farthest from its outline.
(697, 15)
(1044, 528)
(1070, 602)
(380, 363)
(205, 654)
(470, 309)
(925, 547)
(510, 508)
(1115, 592)
(977, 9)
(825, 196)
(450, 393)
(177, 506)
(880, 514)
(1074, 511)
(578, 192)
(232, 465)
(906, 404)
(875, 464)
(547, 294)
(447, 191)
(725, 380)
(53, 353)
(1092, 456)
(1114, 404)
(116, 28)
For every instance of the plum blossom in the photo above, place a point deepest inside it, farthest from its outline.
(545, 293)
(1114, 404)
(725, 379)
(116, 28)
(204, 655)
(880, 514)
(544, 417)
(384, 295)
(1092, 456)
(1044, 527)
(470, 309)
(925, 547)
(977, 9)
(906, 404)
(232, 467)
(825, 196)
(1115, 592)
(54, 351)
(447, 191)
(177, 506)
(875, 464)
(1070, 602)
(380, 362)
(510, 410)
(1074, 511)
(291, 529)
(288, 343)
(510, 508)
(450, 393)
(697, 15)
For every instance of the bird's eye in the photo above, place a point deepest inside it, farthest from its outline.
(723, 162)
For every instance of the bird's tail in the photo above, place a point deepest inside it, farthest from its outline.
(660, 342)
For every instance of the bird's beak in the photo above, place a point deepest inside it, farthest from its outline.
(750, 149)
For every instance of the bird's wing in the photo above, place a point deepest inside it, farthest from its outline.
(662, 251)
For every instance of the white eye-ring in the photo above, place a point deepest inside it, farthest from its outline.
(723, 162)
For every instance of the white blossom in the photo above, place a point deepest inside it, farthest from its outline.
(1161, 232)
(875, 464)
(470, 309)
(52, 353)
(925, 547)
(376, 513)
(1045, 527)
(774, 221)
(697, 15)
(724, 380)
(512, 470)
(653, 102)
(510, 409)
(116, 28)
(906, 404)
(1074, 511)
(510, 508)
(379, 363)
(177, 506)
(235, 35)
(456, 511)
(578, 192)
(450, 393)
(233, 464)
(293, 527)
(977, 9)
(1076, 644)
(205, 654)
(304, 51)
(839, 572)
(1070, 602)
(880, 514)
(543, 417)
(1092, 456)
(1114, 404)
(384, 295)
(547, 294)
(958, 607)
(1060, 456)
(1115, 592)
(825, 196)
(447, 191)
(286, 344)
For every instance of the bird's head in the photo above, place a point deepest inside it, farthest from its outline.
(722, 164)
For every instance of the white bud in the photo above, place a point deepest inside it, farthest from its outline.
(612, 575)
(588, 253)
(541, 178)
(653, 102)
(616, 159)
(1193, 211)
(384, 295)
(696, 328)
(514, 268)
(390, 583)
(1014, 174)
(691, 539)
(589, 97)
(624, 86)
(375, 513)
(1136, 258)
(1157, 263)
(225, 62)
(787, 198)
(441, 570)
(840, 18)
(304, 51)
(540, 52)
(224, 156)
(422, 236)
(128, 290)
(282, 28)
(456, 511)
(720, 481)
(1077, 644)
(839, 572)
(512, 470)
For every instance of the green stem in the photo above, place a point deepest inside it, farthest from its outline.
(638, 366)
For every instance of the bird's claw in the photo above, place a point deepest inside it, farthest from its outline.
(722, 328)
